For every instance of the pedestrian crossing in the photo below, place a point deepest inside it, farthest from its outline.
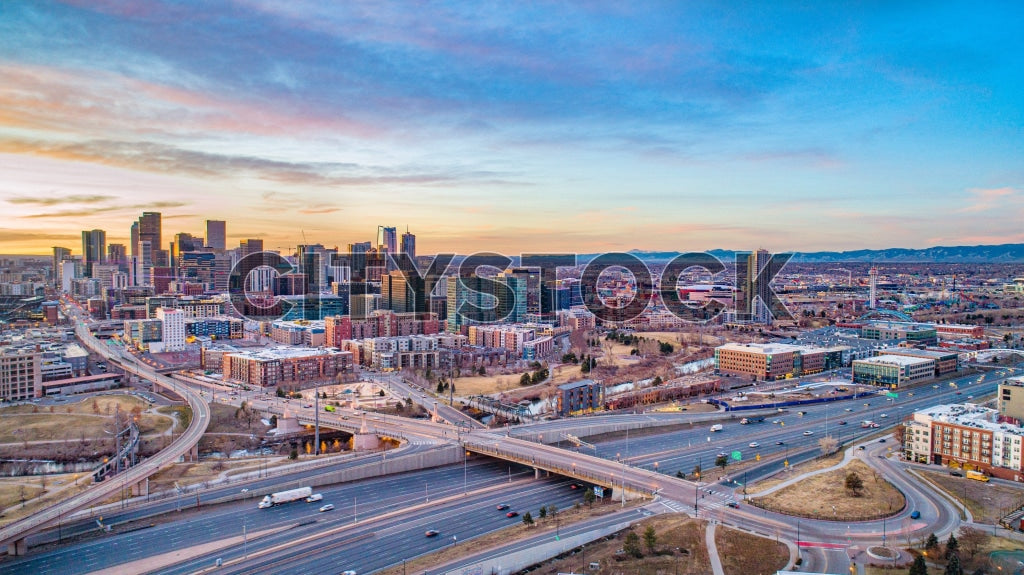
(709, 501)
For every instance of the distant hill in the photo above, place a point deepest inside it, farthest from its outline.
(1004, 253)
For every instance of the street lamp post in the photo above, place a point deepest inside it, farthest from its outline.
(316, 418)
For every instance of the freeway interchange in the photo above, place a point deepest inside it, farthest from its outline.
(391, 512)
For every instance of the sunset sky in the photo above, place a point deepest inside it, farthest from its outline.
(544, 126)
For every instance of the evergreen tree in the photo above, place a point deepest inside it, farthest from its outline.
(632, 545)
(918, 567)
(953, 567)
(650, 538)
(932, 542)
(952, 545)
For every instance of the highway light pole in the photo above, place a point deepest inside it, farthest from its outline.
(316, 418)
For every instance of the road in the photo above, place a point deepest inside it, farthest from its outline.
(183, 444)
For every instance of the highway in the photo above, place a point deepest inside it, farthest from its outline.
(51, 515)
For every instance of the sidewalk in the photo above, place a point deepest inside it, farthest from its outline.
(709, 541)
(848, 456)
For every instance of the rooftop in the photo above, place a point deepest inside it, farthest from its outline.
(970, 415)
(765, 348)
(901, 360)
(575, 384)
(276, 353)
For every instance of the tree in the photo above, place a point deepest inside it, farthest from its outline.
(527, 519)
(918, 567)
(632, 545)
(440, 386)
(932, 542)
(657, 381)
(280, 393)
(953, 567)
(722, 461)
(828, 445)
(952, 546)
(524, 380)
(589, 497)
(665, 348)
(381, 393)
(543, 512)
(482, 371)
(696, 471)
(971, 541)
(854, 484)
(650, 539)
(293, 454)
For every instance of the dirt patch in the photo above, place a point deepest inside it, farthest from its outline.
(987, 501)
(831, 498)
(747, 554)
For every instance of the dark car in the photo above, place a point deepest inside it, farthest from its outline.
(432, 532)
(780, 443)
(502, 507)
(842, 423)
(956, 474)
(915, 515)
(512, 514)
(733, 504)
(881, 440)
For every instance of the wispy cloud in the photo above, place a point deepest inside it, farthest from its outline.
(60, 200)
(986, 199)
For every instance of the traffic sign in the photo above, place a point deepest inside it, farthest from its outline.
(892, 394)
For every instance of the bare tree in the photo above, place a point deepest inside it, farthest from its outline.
(828, 445)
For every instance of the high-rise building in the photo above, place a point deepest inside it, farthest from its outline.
(409, 244)
(216, 234)
(117, 256)
(387, 239)
(94, 249)
(753, 293)
(151, 230)
(59, 255)
(173, 328)
(395, 293)
(20, 374)
(133, 243)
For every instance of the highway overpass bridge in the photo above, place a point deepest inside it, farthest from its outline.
(13, 536)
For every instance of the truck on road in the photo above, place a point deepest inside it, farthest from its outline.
(716, 427)
(747, 420)
(285, 497)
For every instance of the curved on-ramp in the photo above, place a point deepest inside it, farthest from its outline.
(12, 536)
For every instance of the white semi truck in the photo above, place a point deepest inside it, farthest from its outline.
(285, 497)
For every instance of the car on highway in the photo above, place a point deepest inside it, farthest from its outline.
(349, 572)
(502, 506)
(431, 532)
(881, 440)
(780, 443)
(512, 514)
(842, 422)
(754, 445)
(935, 387)
(849, 409)
(327, 507)
(776, 420)
(884, 415)
(808, 432)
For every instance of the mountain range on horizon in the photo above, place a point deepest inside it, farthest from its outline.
(1001, 253)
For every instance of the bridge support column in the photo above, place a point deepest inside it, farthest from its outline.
(19, 547)
(536, 472)
(141, 488)
(193, 454)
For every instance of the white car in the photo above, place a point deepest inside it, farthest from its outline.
(327, 507)
(775, 420)
(754, 445)
(808, 432)
(348, 573)
(883, 415)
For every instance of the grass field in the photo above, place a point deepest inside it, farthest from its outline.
(988, 502)
(831, 499)
(484, 385)
(806, 467)
(50, 426)
(746, 554)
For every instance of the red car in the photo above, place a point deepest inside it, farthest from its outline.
(512, 514)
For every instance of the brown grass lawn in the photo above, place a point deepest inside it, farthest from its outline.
(10, 492)
(745, 554)
(806, 467)
(498, 383)
(988, 502)
(47, 426)
(97, 405)
(878, 496)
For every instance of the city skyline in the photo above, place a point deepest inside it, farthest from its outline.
(567, 127)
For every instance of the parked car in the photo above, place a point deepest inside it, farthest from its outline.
(956, 474)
